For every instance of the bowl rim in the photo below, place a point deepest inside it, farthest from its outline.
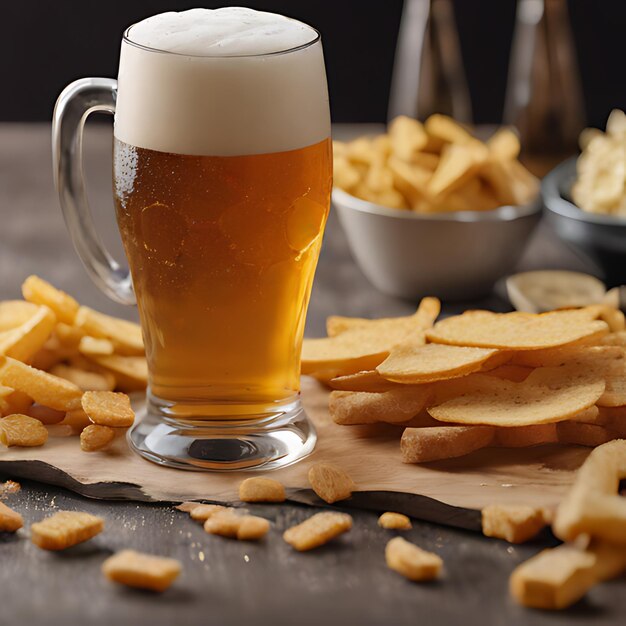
(506, 213)
(555, 202)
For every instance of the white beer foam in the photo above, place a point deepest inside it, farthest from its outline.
(222, 83)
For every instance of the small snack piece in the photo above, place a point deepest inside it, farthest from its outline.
(86, 380)
(38, 291)
(392, 407)
(10, 520)
(317, 530)
(593, 505)
(202, 512)
(330, 482)
(367, 380)
(95, 437)
(558, 577)
(108, 408)
(224, 523)
(261, 489)
(22, 431)
(394, 521)
(252, 528)
(516, 331)
(411, 561)
(515, 524)
(421, 445)
(44, 388)
(65, 529)
(13, 313)
(90, 346)
(143, 571)
(9, 486)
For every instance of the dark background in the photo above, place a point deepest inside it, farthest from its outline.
(45, 45)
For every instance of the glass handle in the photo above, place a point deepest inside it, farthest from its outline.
(73, 106)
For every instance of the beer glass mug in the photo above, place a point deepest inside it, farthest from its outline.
(222, 179)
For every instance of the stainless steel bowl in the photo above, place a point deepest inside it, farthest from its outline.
(602, 238)
(454, 256)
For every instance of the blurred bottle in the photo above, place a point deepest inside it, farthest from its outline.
(428, 73)
(544, 97)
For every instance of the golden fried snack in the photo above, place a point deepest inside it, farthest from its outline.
(394, 521)
(108, 408)
(10, 520)
(95, 437)
(421, 445)
(317, 530)
(513, 523)
(261, 489)
(38, 291)
(144, 571)
(411, 561)
(330, 483)
(22, 431)
(65, 529)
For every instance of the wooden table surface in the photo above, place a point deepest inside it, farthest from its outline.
(227, 582)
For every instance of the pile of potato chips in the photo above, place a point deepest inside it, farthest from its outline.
(433, 167)
(601, 183)
(478, 379)
(52, 350)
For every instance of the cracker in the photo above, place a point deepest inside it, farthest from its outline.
(513, 523)
(422, 445)
(394, 521)
(108, 408)
(317, 530)
(261, 489)
(22, 431)
(65, 529)
(411, 561)
(330, 483)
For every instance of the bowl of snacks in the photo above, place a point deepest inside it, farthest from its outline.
(430, 209)
(585, 198)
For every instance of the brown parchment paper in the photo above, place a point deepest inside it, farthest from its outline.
(537, 476)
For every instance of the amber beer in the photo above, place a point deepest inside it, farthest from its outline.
(222, 251)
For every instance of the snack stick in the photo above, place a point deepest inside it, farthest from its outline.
(38, 291)
(85, 379)
(583, 434)
(42, 387)
(526, 436)
(44, 414)
(317, 530)
(90, 346)
(24, 341)
(122, 332)
(558, 577)
(361, 407)
(14, 313)
(593, 505)
(421, 445)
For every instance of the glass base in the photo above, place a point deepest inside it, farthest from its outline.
(265, 442)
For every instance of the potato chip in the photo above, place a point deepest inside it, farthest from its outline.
(52, 391)
(126, 335)
(38, 291)
(366, 345)
(368, 380)
(411, 363)
(547, 395)
(515, 373)
(397, 405)
(25, 340)
(516, 331)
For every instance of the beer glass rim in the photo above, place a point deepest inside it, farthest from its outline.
(317, 38)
